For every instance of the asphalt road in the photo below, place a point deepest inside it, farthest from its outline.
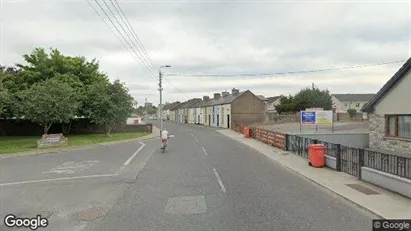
(204, 181)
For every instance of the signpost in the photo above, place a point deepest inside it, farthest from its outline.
(317, 117)
(52, 140)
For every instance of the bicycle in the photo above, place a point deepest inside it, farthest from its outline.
(163, 146)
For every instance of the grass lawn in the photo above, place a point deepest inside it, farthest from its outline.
(13, 144)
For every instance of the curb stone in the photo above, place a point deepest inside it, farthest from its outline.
(312, 180)
(76, 148)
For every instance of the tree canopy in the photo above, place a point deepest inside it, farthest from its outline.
(306, 98)
(54, 88)
(50, 101)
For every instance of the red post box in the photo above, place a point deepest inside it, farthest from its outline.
(316, 154)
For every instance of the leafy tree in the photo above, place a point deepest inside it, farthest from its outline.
(286, 105)
(109, 104)
(309, 97)
(4, 97)
(351, 113)
(48, 102)
(76, 71)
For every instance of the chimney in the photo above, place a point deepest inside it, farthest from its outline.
(234, 91)
(225, 93)
(205, 98)
(217, 95)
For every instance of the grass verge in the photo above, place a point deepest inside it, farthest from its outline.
(15, 144)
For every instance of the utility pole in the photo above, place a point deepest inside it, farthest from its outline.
(160, 84)
(160, 107)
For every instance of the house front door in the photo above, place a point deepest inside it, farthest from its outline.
(209, 120)
(228, 121)
(218, 120)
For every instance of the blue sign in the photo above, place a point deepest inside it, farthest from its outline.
(308, 117)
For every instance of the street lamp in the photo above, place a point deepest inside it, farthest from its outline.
(161, 97)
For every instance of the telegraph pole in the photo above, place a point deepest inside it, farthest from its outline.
(160, 84)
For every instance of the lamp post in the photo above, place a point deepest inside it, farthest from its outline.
(161, 96)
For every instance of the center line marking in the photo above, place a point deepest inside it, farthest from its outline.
(58, 179)
(205, 152)
(219, 180)
(135, 154)
(194, 137)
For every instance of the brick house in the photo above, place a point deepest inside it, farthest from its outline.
(390, 113)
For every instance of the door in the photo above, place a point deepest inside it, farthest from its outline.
(218, 120)
(209, 120)
(228, 121)
(198, 119)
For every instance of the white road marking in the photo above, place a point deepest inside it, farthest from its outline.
(205, 152)
(120, 170)
(135, 154)
(58, 179)
(194, 137)
(219, 180)
(72, 167)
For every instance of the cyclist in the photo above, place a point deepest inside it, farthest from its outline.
(164, 137)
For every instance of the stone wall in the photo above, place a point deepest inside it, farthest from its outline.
(378, 140)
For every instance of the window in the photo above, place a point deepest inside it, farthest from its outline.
(346, 105)
(398, 126)
(357, 105)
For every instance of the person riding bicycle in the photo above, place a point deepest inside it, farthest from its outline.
(164, 136)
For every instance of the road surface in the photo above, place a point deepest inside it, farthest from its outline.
(204, 181)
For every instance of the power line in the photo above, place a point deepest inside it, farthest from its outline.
(135, 35)
(105, 3)
(125, 42)
(139, 46)
(288, 72)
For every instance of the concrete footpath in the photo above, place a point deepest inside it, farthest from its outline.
(155, 133)
(386, 204)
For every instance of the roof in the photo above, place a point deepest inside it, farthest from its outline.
(176, 107)
(168, 106)
(189, 103)
(172, 106)
(262, 97)
(273, 99)
(353, 97)
(196, 104)
(398, 76)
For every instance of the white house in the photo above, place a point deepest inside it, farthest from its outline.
(343, 102)
(271, 103)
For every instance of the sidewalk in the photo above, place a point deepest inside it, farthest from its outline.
(155, 133)
(386, 204)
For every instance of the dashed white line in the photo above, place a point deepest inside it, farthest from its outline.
(205, 152)
(134, 154)
(58, 179)
(194, 137)
(219, 180)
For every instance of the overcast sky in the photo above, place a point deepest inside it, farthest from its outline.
(236, 37)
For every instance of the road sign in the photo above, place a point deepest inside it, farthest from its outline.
(308, 117)
(324, 117)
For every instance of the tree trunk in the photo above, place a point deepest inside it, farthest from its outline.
(108, 129)
(46, 128)
(65, 128)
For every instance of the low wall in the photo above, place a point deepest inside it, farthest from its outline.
(78, 126)
(385, 180)
(356, 140)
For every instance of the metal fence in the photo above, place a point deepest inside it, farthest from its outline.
(348, 159)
